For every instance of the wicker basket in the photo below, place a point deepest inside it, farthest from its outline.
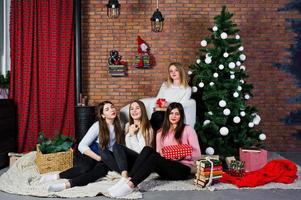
(54, 161)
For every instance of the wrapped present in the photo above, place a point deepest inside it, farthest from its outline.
(237, 168)
(254, 159)
(177, 151)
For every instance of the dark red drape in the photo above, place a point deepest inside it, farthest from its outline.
(42, 68)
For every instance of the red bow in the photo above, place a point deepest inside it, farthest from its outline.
(161, 102)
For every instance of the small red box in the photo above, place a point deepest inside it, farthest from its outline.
(177, 151)
(254, 159)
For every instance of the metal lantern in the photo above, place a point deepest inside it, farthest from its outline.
(157, 21)
(113, 9)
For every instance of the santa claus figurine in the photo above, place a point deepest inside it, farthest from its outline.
(143, 53)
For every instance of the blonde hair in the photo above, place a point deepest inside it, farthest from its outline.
(183, 78)
(145, 126)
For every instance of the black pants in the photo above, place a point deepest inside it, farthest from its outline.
(86, 170)
(150, 161)
(121, 159)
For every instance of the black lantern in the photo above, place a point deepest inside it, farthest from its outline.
(157, 20)
(113, 9)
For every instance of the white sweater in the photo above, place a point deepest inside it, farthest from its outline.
(136, 142)
(92, 134)
(174, 93)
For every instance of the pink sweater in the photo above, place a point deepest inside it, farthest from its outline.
(188, 137)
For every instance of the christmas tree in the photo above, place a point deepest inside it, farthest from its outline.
(224, 120)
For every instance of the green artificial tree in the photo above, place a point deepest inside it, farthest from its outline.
(224, 121)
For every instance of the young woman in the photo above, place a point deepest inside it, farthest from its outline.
(106, 132)
(175, 89)
(174, 132)
(138, 135)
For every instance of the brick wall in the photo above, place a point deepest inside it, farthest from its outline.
(265, 34)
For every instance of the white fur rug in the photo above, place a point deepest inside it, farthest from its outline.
(23, 178)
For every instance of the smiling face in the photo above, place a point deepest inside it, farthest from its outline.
(109, 111)
(135, 111)
(174, 116)
(174, 73)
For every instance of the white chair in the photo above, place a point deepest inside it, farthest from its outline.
(189, 110)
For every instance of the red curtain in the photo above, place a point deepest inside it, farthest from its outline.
(42, 68)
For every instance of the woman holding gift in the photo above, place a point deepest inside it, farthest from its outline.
(175, 89)
(96, 147)
(174, 132)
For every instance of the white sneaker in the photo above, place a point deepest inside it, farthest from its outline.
(48, 177)
(118, 184)
(57, 187)
(121, 191)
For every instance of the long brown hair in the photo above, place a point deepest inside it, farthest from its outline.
(183, 78)
(104, 133)
(180, 126)
(144, 123)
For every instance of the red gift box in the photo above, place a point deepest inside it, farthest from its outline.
(254, 159)
(177, 151)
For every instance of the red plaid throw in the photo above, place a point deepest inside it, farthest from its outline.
(177, 151)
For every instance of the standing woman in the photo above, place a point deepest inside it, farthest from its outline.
(105, 133)
(174, 132)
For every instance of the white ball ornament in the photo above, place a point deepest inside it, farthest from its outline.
(224, 131)
(237, 37)
(232, 76)
(242, 81)
(206, 122)
(235, 94)
(226, 112)
(222, 103)
(247, 96)
(208, 60)
(215, 75)
(241, 48)
(242, 57)
(201, 84)
(242, 68)
(238, 63)
(221, 67)
(194, 89)
(198, 61)
(203, 43)
(232, 72)
(242, 113)
(209, 151)
(211, 84)
(262, 136)
(231, 65)
(210, 113)
(251, 124)
(236, 119)
(226, 55)
(224, 35)
(214, 28)
(239, 88)
(189, 72)
(256, 119)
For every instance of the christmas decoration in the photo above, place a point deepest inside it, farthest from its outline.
(117, 67)
(209, 151)
(203, 43)
(144, 59)
(232, 120)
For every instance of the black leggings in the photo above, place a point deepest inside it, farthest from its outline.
(121, 159)
(150, 161)
(87, 171)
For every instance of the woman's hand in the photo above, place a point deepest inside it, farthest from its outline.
(133, 129)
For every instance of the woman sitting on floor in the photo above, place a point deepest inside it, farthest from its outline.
(174, 132)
